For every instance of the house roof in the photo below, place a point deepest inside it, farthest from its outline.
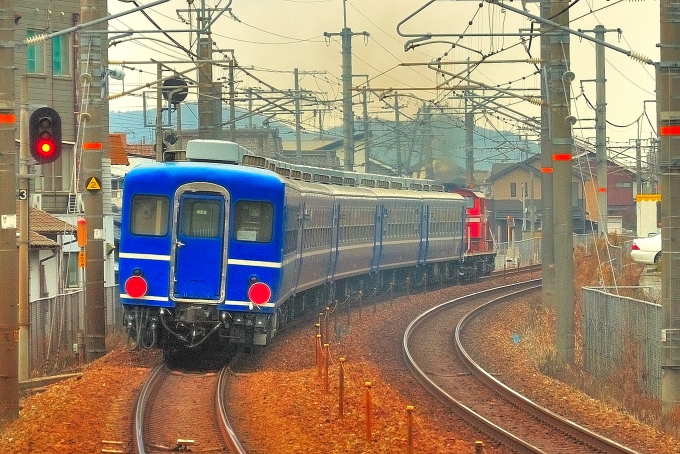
(43, 223)
(117, 151)
(38, 241)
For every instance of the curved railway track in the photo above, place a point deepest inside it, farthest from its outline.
(179, 411)
(505, 416)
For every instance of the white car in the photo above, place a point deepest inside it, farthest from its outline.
(646, 250)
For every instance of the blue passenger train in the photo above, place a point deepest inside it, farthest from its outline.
(230, 253)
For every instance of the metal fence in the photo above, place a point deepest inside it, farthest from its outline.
(55, 323)
(622, 332)
(518, 253)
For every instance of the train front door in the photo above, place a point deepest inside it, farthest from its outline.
(199, 247)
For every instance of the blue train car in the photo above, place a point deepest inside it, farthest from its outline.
(200, 242)
(230, 253)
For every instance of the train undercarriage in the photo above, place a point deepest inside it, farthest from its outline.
(197, 326)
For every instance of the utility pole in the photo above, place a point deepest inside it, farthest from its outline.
(206, 117)
(547, 219)
(24, 233)
(560, 78)
(397, 132)
(601, 129)
(93, 53)
(347, 113)
(668, 114)
(367, 132)
(298, 139)
(601, 132)
(9, 331)
(469, 137)
(427, 143)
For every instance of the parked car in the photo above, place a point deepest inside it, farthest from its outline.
(646, 250)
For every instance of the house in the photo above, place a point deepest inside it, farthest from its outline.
(51, 271)
(515, 199)
(620, 190)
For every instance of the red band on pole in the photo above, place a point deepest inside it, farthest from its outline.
(669, 130)
(546, 170)
(601, 189)
(562, 157)
(8, 118)
(92, 146)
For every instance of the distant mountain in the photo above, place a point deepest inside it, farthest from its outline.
(445, 133)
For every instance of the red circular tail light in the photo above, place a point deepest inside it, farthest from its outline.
(136, 287)
(259, 293)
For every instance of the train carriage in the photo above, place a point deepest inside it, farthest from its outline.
(231, 252)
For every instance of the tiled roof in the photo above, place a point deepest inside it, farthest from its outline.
(37, 241)
(43, 222)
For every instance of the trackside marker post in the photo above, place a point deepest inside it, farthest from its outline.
(326, 354)
(409, 429)
(369, 416)
(341, 389)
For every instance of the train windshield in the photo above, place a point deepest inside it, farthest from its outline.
(253, 221)
(469, 202)
(149, 215)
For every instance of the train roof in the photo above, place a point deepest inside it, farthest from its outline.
(165, 177)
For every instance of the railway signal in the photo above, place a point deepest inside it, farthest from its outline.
(45, 135)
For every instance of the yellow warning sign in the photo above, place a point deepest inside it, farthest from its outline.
(93, 184)
(81, 259)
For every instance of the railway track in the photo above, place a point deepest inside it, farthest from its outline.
(180, 411)
(505, 416)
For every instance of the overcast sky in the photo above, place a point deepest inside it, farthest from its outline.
(270, 38)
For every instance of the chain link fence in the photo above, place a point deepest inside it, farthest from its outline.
(55, 325)
(622, 332)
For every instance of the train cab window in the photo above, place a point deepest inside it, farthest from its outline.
(470, 202)
(253, 221)
(149, 215)
(201, 218)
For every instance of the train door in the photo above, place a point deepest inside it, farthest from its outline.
(335, 239)
(378, 236)
(199, 246)
(424, 233)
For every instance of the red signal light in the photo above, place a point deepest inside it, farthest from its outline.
(45, 148)
(44, 130)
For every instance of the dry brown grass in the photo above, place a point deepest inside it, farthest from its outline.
(622, 387)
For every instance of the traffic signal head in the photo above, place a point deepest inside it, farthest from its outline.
(45, 135)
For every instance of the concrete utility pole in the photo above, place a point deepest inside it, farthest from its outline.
(559, 83)
(347, 113)
(9, 331)
(24, 233)
(93, 53)
(298, 139)
(547, 219)
(469, 137)
(601, 132)
(601, 129)
(397, 133)
(668, 110)
(367, 132)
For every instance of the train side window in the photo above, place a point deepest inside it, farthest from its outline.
(253, 221)
(149, 215)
